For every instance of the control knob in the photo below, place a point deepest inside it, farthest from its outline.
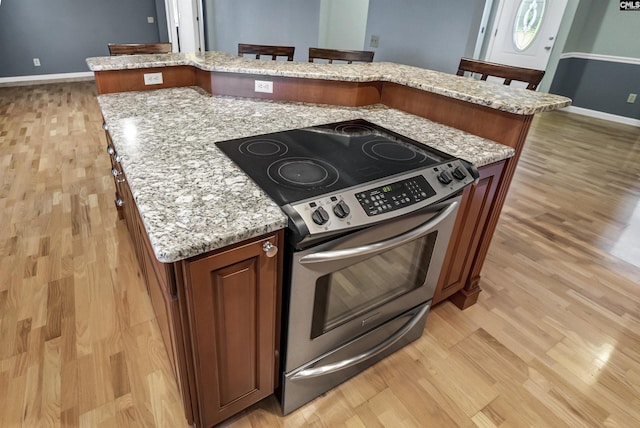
(341, 209)
(445, 177)
(459, 173)
(320, 216)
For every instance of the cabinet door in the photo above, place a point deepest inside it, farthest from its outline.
(232, 307)
(472, 216)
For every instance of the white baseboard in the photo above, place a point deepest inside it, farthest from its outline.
(602, 115)
(45, 78)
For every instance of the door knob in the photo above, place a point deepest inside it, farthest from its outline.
(270, 249)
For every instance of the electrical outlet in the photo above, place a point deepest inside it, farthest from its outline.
(153, 79)
(264, 86)
(375, 41)
(632, 98)
(36, 62)
(150, 19)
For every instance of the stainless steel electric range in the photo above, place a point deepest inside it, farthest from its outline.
(370, 217)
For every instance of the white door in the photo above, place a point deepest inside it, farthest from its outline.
(184, 25)
(524, 32)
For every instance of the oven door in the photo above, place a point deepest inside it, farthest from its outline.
(344, 288)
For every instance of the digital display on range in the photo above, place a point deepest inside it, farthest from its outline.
(394, 196)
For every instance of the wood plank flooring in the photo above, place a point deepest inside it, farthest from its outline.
(553, 341)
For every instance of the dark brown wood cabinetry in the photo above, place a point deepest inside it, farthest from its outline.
(232, 310)
(218, 315)
(473, 213)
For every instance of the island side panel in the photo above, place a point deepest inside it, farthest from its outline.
(472, 217)
(486, 122)
(112, 81)
(317, 91)
(469, 294)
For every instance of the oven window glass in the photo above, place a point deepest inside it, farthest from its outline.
(351, 292)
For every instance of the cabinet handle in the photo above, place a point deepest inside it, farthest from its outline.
(270, 249)
(119, 202)
(115, 172)
(117, 158)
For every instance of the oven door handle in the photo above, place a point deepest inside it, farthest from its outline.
(370, 353)
(325, 256)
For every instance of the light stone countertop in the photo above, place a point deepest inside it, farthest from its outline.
(490, 94)
(192, 198)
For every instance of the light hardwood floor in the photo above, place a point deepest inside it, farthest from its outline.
(553, 341)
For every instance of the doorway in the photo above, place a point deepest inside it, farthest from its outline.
(524, 32)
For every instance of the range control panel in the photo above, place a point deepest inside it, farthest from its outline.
(382, 199)
(394, 196)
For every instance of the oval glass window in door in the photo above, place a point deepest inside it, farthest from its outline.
(527, 23)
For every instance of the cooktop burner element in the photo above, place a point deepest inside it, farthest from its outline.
(345, 175)
(263, 147)
(392, 151)
(355, 129)
(303, 173)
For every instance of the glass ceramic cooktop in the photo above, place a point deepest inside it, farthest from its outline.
(294, 165)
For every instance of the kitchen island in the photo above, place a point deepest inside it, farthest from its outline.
(195, 217)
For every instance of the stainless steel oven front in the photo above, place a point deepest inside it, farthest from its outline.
(360, 297)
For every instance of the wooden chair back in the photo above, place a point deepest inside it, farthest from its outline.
(138, 48)
(508, 73)
(273, 51)
(340, 55)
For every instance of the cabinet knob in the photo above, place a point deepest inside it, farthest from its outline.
(270, 249)
(115, 172)
(110, 149)
(105, 126)
(119, 202)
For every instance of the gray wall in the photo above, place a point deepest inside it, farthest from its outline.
(432, 34)
(161, 20)
(63, 33)
(599, 85)
(264, 22)
(586, 24)
(605, 30)
(601, 28)
(424, 33)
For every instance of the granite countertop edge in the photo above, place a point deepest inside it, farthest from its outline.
(504, 98)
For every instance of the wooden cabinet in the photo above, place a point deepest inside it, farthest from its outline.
(218, 315)
(232, 303)
(473, 214)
